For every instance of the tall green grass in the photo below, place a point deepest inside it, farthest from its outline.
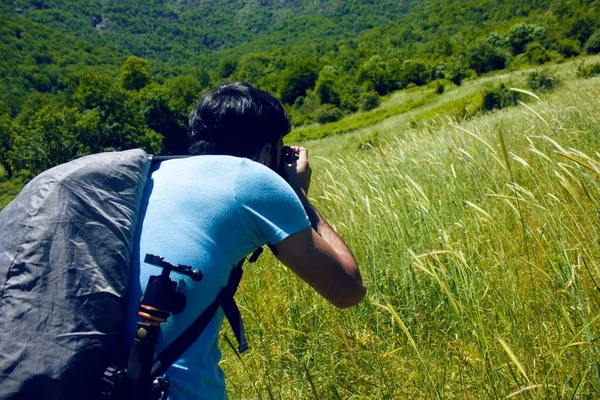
(480, 244)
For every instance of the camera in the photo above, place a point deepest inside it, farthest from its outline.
(288, 155)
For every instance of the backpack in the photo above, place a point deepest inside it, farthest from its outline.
(65, 253)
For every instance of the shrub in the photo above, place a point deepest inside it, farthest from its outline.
(414, 72)
(297, 118)
(542, 80)
(536, 53)
(499, 97)
(522, 34)
(376, 72)
(370, 142)
(592, 45)
(326, 87)
(483, 57)
(370, 100)
(440, 88)
(328, 113)
(588, 71)
(458, 69)
(568, 47)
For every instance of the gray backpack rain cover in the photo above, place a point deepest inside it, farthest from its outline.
(65, 249)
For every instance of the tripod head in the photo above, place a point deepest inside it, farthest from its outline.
(161, 296)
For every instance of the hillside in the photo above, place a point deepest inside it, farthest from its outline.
(175, 31)
(42, 60)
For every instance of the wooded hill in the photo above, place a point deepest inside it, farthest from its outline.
(175, 31)
(80, 77)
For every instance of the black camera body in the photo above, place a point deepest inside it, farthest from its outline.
(288, 155)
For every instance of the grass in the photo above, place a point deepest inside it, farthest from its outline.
(479, 241)
(361, 119)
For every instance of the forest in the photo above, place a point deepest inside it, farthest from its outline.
(81, 77)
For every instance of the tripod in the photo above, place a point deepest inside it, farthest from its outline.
(136, 381)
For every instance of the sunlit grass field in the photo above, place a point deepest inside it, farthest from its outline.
(479, 242)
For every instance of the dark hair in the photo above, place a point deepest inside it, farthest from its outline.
(236, 119)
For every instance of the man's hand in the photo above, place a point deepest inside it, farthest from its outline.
(318, 255)
(299, 172)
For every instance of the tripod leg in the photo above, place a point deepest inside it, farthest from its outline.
(140, 361)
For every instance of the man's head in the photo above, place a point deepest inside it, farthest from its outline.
(239, 120)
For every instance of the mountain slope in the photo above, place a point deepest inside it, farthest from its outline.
(175, 30)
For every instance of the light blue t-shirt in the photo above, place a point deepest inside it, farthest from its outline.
(208, 212)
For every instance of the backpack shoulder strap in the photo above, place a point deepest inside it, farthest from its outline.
(157, 159)
(225, 300)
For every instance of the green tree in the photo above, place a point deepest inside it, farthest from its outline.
(581, 27)
(134, 73)
(297, 78)
(161, 118)
(370, 100)
(458, 69)
(88, 128)
(326, 87)
(414, 72)
(201, 74)
(522, 34)
(592, 45)
(349, 93)
(376, 72)
(568, 47)
(484, 57)
(497, 40)
(226, 68)
(48, 140)
(182, 93)
(253, 68)
(98, 95)
(327, 113)
(536, 53)
(118, 113)
(93, 91)
(7, 137)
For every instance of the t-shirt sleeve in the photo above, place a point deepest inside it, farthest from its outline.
(268, 207)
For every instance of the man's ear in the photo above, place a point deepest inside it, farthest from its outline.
(263, 156)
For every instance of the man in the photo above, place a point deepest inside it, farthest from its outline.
(211, 211)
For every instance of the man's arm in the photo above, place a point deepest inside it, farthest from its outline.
(319, 256)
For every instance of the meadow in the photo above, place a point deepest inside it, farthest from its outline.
(478, 240)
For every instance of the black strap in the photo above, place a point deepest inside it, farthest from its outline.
(224, 299)
(232, 312)
(157, 159)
